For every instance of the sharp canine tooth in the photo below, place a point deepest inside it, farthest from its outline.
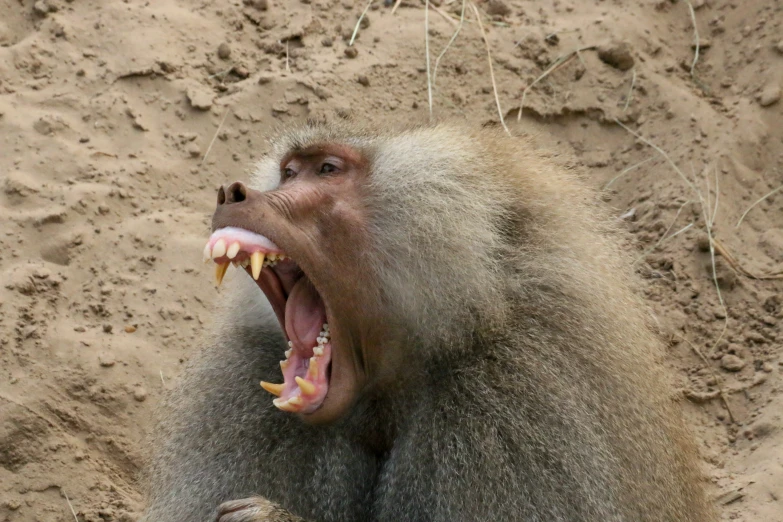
(256, 263)
(220, 271)
(219, 250)
(307, 387)
(274, 389)
(233, 250)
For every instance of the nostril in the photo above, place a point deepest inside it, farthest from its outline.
(236, 193)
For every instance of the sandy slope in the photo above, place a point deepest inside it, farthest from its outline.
(107, 108)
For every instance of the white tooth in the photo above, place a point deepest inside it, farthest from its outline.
(233, 250)
(219, 250)
(318, 350)
(245, 263)
(326, 326)
(288, 353)
(290, 344)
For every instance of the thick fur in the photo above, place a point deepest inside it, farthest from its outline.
(530, 388)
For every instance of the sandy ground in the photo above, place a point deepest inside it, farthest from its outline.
(108, 108)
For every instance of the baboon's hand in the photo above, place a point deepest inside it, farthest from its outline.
(253, 509)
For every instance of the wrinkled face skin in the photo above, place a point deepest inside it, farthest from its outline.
(302, 243)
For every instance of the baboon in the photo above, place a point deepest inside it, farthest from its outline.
(459, 340)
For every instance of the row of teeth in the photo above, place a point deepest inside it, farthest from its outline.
(294, 404)
(256, 262)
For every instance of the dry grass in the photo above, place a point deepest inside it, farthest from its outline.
(762, 198)
(211, 143)
(73, 512)
(359, 21)
(696, 41)
(451, 41)
(491, 70)
(558, 63)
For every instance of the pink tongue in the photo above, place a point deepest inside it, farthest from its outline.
(304, 315)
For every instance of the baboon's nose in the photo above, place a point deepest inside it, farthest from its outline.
(234, 193)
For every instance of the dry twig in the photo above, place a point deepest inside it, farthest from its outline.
(665, 237)
(215, 136)
(427, 52)
(696, 42)
(73, 512)
(762, 198)
(451, 41)
(552, 68)
(491, 71)
(626, 171)
(630, 91)
(721, 391)
(359, 21)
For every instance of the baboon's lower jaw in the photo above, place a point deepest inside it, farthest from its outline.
(298, 306)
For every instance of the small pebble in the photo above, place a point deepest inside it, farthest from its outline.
(497, 8)
(130, 328)
(41, 8)
(351, 52)
(107, 328)
(224, 51)
(617, 54)
(363, 80)
(326, 41)
(106, 360)
(199, 99)
(140, 394)
(769, 96)
(732, 363)
(261, 5)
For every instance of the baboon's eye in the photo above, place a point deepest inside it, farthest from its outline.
(288, 173)
(327, 168)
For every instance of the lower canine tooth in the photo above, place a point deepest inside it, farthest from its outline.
(274, 389)
(220, 271)
(256, 263)
(307, 387)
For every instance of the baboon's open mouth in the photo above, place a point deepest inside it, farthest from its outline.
(298, 306)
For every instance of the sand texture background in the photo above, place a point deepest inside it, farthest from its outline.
(108, 108)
